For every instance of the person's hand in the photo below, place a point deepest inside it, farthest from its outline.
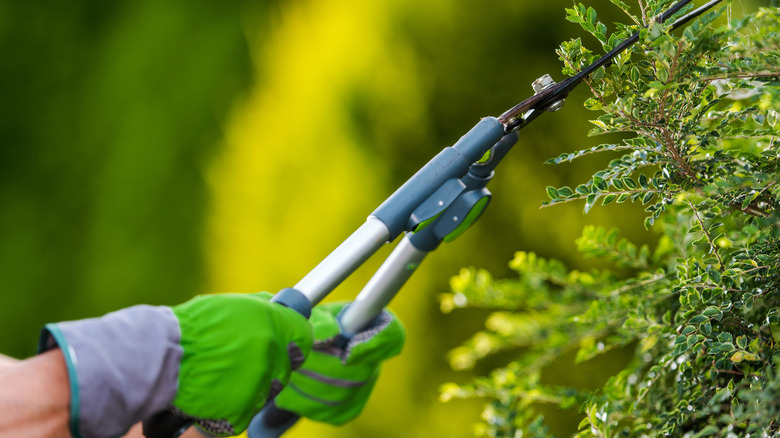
(215, 360)
(335, 382)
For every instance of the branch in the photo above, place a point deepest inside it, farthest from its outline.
(706, 234)
(759, 75)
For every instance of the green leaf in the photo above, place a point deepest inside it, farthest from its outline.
(711, 311)
(608, 198)
(593, 104)
(702, 243)
(601, 32)
(663, 74)
(688, 330)
(565, 192)
(643, 180)
(739, 356)
(589, 202)
(726, 347)
(591, 16)
(698, 319)
(571, 15)
(712, 227)
(629, 183)
(599, 73)
(552, 192)
(708, 430)
(621, 5)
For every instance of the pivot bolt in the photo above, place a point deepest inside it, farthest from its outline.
(544, 83)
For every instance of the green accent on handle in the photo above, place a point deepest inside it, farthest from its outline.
(425, 223)
(485, 158)
(472, 217)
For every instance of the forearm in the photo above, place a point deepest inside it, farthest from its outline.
(6, 362)
(34, 397)
(99, 376)
(136, 432)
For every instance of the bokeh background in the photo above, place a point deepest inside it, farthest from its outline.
(154, 150)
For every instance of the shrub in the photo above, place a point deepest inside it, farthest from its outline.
(698, 311)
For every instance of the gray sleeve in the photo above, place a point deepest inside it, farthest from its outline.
(122, 367)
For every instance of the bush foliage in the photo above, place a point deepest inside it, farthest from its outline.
(697, 311)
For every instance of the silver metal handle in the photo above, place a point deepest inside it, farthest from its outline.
(343, 261)
(382, 287)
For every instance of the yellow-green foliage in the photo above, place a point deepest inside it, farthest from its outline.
(688, 326)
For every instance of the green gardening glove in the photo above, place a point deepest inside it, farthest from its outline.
(335, 382)
(213, 360)
(252, 342)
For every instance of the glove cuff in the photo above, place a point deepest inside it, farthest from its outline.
(122, 367)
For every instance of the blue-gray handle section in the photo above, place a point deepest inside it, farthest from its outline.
(294, 299)
(271, 422)
(452, 162)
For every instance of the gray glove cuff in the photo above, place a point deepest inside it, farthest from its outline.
(122, 367)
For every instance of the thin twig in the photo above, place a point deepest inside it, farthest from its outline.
(644, 13)
(757, 75)
(706, 234)
(631, 286)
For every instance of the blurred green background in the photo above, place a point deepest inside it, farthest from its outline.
(154, 150)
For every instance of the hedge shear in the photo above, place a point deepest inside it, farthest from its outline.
(437, 204)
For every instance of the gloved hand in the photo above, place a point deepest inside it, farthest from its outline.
(214, 359)
(334, 383)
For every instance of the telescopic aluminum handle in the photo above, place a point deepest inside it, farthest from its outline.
(392, 217)
(381, 288)
(272, 421)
